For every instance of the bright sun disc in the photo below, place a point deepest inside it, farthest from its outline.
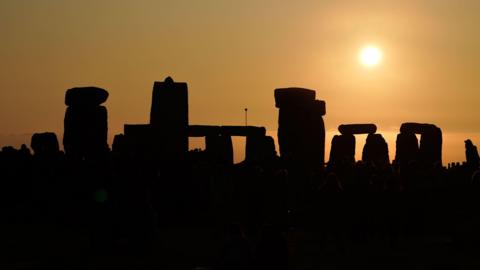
(370, 56)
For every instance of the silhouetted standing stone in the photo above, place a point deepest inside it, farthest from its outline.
(45, 144)
(316, 133)
(86, 123)
(343, 149)
(471, 154)
(253, 148)
(169, 114)
(406, 148)
(219, 149)
(254, 144)
(268, 148)
(376, 150)
(431, 145)
(430, 149)
(118, 145)
(301, 130)
(343, 146)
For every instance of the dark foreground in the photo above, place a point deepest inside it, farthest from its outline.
(263, 223)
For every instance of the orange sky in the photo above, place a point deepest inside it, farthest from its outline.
(233, 54)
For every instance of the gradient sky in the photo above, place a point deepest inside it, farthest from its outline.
(233, 54)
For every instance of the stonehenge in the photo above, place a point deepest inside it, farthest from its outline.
(301, 130)
(429, 152)
(86, 123)
(375, 150)
(218, 142)
(166, 136)
(169, 114)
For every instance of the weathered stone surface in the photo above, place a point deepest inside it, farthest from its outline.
(376, 150)
(343, 149)
(85, 96)
(358, 129)
(287, 97)
(45, 144)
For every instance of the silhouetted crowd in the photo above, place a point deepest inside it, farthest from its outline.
(259, 214)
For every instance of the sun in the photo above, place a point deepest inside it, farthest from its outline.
(370, 56)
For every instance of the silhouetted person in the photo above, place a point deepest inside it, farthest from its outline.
(471, 154)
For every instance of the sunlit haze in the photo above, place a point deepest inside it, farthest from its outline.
(233, 54)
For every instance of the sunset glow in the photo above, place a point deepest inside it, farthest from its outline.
(370, 56)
